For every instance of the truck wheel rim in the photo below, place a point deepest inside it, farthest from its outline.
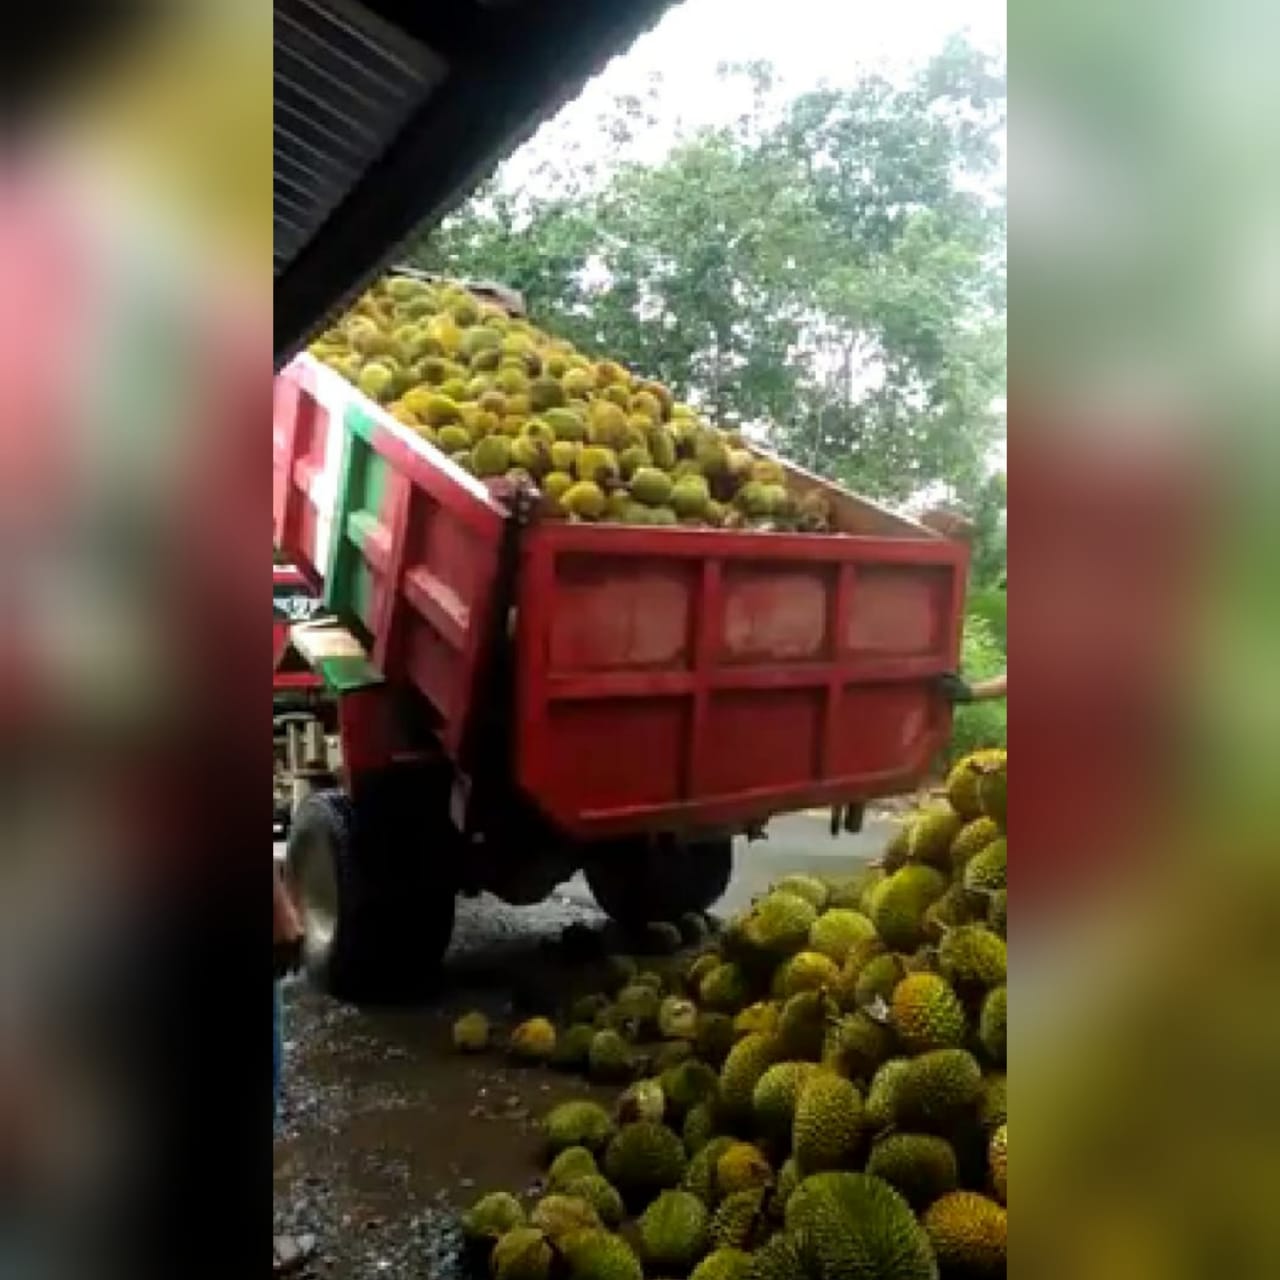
(318, 893)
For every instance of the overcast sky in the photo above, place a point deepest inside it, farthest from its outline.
(807, 41)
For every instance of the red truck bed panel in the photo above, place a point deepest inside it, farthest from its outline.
(690, 676)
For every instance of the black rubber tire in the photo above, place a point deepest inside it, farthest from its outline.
(640, 880)
(378, 919)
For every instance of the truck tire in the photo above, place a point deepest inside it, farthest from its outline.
(377, 919)
(640, 880)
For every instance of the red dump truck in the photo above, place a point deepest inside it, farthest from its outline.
(520, 698)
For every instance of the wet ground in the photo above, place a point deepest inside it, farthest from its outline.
(386, 1132)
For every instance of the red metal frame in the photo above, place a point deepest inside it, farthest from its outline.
(305, 681)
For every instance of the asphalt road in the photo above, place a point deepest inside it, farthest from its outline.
(386, 1132)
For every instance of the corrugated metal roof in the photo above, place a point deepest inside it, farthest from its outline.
(345, 84)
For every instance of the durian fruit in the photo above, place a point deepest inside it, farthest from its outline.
(690, 496)
(573, 1047)
(377, 381)
(747, 1062)
(741, 1220)
(936, 1089)
(779, 924)
(600, 1255)
(522, 1254)
(837, 931)
(453, 439)
(789, 1178)
(533, 1041)
(969, 1234)
(643, 1159)
(860, 956)
(587, 1008)
(878, 980)
(956, 907)
(564, 458)
(492, 456)
(585, 500)
(805, 971)
(557, 1216)
(725, 989)
(578, 1123)
(610, 1058)
(895, 851)
(927, 1014)
(803, 1025)
(723, 1264)
(471, 1033)
(600, 1194)
(828, 1126)
(931, 835)
(973, 956)
(699, 1127)
(773, 1100)
(993, 1101)
(742, 1167)
(643, 1100)
(779, 1258)
(651, 486)
(921, 1166)
(715, 1038)
(671, 1053)
(688, 1084)
(492, 1216)
(700, 1177)
(964, 781)
(855, 1046)
(997, 912)
(637, 1008)
(998, 1159)
(985, 872)
(677, 1018)
(674, 1232)
(597, 465)
(882, 1094)
(699, 969)
(993, 785)
(810, 888)
(972, 838)
(993, 1024)
(852, 1224)
(761, 1016)
(570, 1164)
(898, 905)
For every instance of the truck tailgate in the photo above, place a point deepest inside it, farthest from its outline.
(681, 678)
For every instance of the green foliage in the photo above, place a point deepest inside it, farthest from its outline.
(979, 724)
(990, 605)
(823, 270)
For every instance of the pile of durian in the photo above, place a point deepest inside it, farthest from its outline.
(820, 1094)
(509, 403)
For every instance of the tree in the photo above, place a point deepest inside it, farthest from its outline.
(824, 271)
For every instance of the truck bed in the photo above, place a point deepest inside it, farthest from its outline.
(664, 679)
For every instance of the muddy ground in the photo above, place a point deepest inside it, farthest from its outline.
(386, 1133)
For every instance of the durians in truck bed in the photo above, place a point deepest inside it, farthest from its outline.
(437, 356)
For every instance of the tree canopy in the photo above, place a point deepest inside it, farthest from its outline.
(825, 270)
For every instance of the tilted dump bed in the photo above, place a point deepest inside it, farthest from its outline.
(665, 678)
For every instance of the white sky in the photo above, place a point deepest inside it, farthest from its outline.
(807, 41)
